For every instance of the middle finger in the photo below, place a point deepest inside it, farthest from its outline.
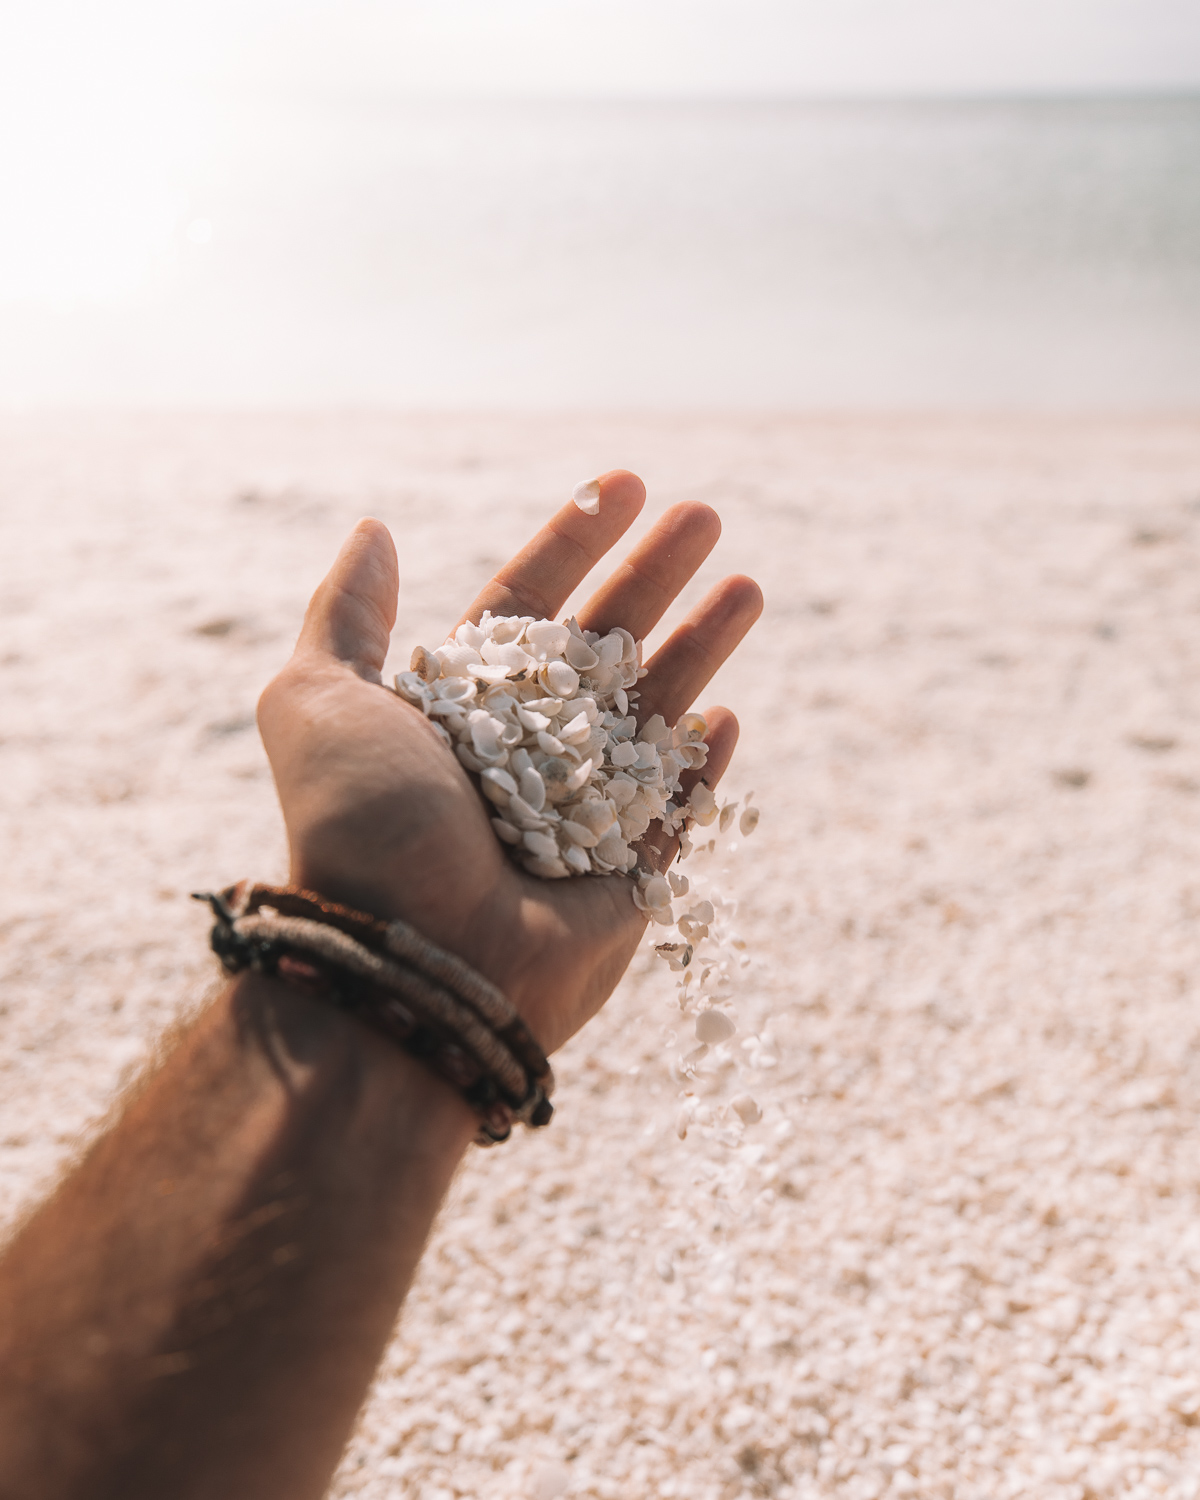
(638, 593)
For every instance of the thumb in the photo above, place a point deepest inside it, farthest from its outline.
(350, 617)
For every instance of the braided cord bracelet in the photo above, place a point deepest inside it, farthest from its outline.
(430, 1002)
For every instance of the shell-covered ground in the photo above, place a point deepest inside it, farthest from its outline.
(960, 1254)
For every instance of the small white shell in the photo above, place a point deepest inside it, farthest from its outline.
(621, 790)
(635, 820)
(545, 639)
(586, 496)
(533, 789)
(541, 844)
(579, 777)
(596, 816)
(576, 834)
(504, 629)
(426, 664)
(493, 791)
(576, 731)
(714, 1027)
(456, 660)
(609, 650)
(703, 804)
(469, 635)
(520, 813)
(613, 849)
(655, 892)
(485, 737)
(580, 654)
(690, 728)
(746, 1109)
(654, 730)
(509, 655)
(412, 686)
(561, 679)
(455, 690)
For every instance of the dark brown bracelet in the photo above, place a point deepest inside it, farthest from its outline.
(428, 1001)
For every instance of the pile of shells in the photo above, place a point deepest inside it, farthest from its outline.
(544, 715)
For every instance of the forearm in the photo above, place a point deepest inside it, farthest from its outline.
(200, 1307)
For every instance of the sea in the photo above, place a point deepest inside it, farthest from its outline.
(1039, 254)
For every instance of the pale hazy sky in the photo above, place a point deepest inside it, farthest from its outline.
(745, 47)
(608, 47)
(110, 112)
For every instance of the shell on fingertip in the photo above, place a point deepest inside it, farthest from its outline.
(586, 496)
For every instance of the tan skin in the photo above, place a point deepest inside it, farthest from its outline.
(199, 1308)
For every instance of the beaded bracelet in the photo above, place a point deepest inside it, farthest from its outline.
(428, 1001)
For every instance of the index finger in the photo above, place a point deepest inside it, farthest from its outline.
(542, 576)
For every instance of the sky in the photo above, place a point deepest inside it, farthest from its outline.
(742, 48)
(713, 48)
(108, 111)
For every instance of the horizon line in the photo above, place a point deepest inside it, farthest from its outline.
(399, 94)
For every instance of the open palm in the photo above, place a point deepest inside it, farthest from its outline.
(379, 812)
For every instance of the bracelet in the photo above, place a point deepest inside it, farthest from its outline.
(430, 1002)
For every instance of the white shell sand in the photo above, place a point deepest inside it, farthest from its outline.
(966, 1256)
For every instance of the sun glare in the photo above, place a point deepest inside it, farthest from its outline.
(101, 128)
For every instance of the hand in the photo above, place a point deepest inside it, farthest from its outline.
(380, 814)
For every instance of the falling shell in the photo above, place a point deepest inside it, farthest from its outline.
(746, 1109)
(714, 1027)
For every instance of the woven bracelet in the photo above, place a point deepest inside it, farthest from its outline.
(428, 1001)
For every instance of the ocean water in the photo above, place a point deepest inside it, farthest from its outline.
(1039, 254)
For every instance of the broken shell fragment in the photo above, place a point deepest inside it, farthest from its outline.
(586, 496)
(425, 664)
(703, 804)
(748, 822)
(677, 955)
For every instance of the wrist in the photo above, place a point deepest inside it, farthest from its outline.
(391, 1103)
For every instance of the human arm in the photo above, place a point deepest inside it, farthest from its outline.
(199, 1309)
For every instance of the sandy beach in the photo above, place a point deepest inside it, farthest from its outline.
(960, 1254)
